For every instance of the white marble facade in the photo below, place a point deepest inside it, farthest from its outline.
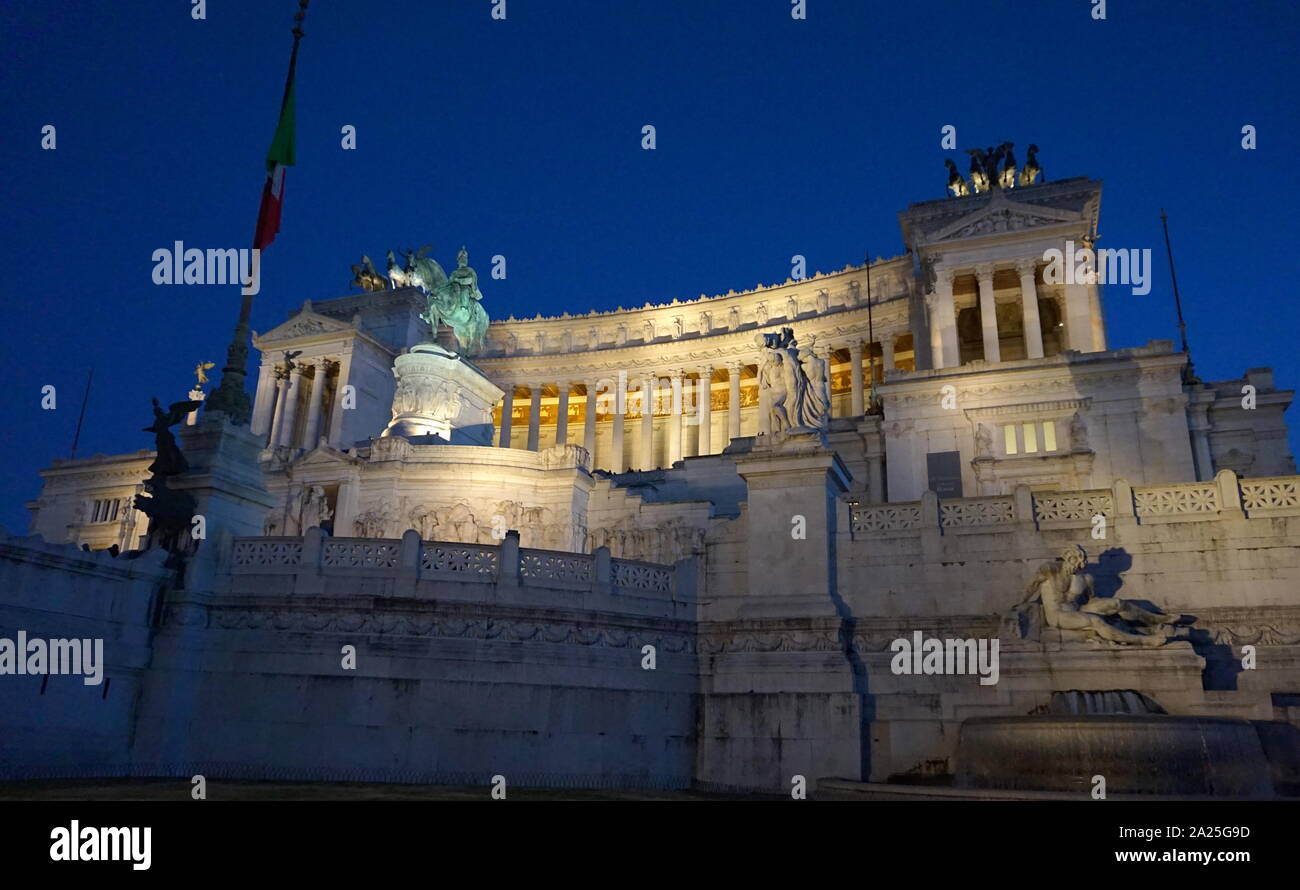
(976, 362)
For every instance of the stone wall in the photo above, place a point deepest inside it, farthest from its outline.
(471, 661)
(57, 723)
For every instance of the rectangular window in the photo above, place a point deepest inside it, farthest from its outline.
(1009, 437)
(1049, 435)
(1031, 437)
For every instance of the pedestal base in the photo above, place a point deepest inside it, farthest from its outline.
(441, 394)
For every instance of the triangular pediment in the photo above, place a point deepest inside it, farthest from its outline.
(322, 455)
(1001, 215)
(305, 324)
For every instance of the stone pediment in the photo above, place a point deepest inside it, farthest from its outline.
(999, 216)
(305, 324)
(322, 455)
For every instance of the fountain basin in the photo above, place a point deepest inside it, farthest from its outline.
(1137, 754)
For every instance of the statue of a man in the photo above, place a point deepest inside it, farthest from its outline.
(1069, 603)
(772, 379)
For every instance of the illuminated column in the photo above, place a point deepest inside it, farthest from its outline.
(277, 420)
(946, 320)
(646, 459)
(343, 372)
(704, 405)
(589, 423)
(562, 416)
(534, 415)
(265, 402)
(733, 400)
(988, 312)
(674, 445)
(616, 464)
(932, 322)
(1029, 309)
(507, 410)
(1078, 306)
(312, 435)
(290, 425)
(887, 352)
(1098, 321)
(857, 407)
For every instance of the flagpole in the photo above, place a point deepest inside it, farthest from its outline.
(1189, 374)
(76, 437)
(230, 396)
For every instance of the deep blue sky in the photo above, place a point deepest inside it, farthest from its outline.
(522, 138)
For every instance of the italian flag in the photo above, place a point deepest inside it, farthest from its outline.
(280, 156)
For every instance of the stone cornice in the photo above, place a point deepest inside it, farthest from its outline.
(893, 273)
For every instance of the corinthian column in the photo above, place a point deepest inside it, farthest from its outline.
(534, 415)
(317, 402)
(507, 409)
(988, 312)
(589, 423)
(562, 415)
(945, 320)
(616, 464)
(733, 400)
(704, 405)
(646, 459)
(290, 424)
(857, 406)
(277, 419)
(1029, 309)
(674, 444)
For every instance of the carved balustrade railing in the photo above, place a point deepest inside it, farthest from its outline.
(1223, 497)
(630, 574)
(319, 555)
(1273, 496)
(1178, 499)
(966, 512)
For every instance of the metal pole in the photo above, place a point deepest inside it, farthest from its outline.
(82, 416)
(1178, 303)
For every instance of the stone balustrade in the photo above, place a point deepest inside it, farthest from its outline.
(1225, 495)
(316, 559)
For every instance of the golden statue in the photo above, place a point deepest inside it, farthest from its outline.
(200, 371)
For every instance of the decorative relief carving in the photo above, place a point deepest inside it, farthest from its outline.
(447, 623)
(663, 543)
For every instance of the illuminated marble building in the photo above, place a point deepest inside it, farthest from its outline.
(981, 419)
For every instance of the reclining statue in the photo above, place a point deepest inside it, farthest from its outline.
(1069, 603)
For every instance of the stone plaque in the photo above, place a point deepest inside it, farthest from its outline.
(943, 469)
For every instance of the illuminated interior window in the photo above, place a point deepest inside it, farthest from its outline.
(1031, 437)
(1009, 437)
(1049, 435)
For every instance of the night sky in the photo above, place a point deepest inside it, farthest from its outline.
(523, 138)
